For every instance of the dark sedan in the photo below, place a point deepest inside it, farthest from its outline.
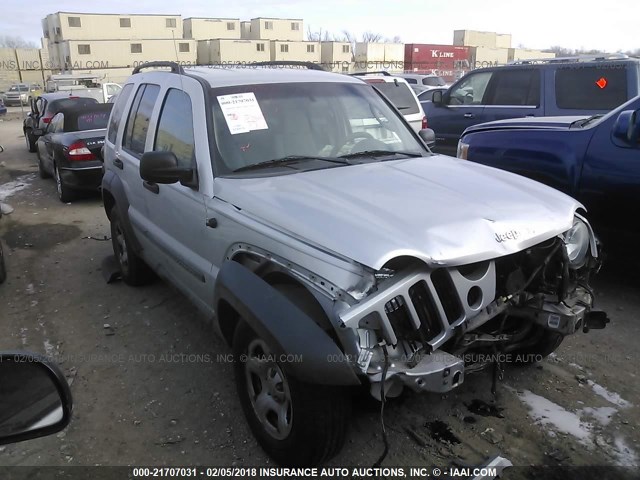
(70, 148)
(44, 108)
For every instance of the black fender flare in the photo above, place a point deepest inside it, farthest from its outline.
(288, 330)
(111, 183)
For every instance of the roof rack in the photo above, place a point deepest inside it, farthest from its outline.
(598, 57)
(379, 72)
(288, 63)
(175, 68)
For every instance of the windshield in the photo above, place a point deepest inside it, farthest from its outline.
(260, 123)
(21, 88)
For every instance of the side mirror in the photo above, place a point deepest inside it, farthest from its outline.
(162, 167)
(35, 399)
(428, 136)
(38, 132)
(437, 98)
(627, 127)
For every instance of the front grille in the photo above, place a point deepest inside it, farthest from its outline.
(426, 310)
(447, 294)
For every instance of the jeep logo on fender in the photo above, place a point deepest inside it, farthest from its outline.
(510, 235)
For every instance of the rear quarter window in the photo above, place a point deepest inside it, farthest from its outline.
(399, 94)
(116, 113)
(591, 87)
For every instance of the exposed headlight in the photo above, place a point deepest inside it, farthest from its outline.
(463, 150)
(576, 243)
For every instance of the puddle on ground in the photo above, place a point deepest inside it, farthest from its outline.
(40, 236)
(441, 432)
(480, 407)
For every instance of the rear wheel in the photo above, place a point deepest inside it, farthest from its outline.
(295, 423)
(30, 140)
(41, 171)
(133, 269)
(65, 194)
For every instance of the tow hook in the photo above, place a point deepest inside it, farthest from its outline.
(595, 319)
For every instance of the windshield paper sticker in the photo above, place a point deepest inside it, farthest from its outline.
(242, 112)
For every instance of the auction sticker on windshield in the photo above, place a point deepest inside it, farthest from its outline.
(242, 112)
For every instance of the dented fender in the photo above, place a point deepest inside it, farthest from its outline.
(286, 328)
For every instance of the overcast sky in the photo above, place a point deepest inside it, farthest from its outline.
(609, 26)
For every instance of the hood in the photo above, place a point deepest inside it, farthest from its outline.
(531, 123)
(440, 209)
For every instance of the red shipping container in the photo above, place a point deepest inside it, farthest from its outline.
(448, 61)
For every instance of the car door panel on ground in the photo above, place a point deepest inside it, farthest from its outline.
(177, 212)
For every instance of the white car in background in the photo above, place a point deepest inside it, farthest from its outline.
(400, 94)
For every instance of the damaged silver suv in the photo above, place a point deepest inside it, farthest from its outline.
(300, 211)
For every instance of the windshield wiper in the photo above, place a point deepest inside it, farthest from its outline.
(584, 121)
(284, 161)
(379, 153)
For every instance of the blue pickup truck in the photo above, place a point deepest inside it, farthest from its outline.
(595, 159)
(532, 88)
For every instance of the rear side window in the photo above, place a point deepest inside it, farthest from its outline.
(411, 80)
(92, 120)
(118, 110)
(591, 87)
(433, 82)
(519, 87)
(400, 96)
(139, 117)
(175, 127)
(471, 89)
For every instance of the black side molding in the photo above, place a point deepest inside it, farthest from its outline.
(284, 326)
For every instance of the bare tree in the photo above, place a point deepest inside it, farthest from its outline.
(395, 39)
(10, 41)
(371, 37)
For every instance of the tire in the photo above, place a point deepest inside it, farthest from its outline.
(547, 343)
(295, 423)
(3, 269)
(41, 171)
(133, 269)
(31, 142)
(65, 194)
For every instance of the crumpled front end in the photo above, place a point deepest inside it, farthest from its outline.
(425, 327)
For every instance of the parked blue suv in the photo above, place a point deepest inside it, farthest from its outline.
(532, 88)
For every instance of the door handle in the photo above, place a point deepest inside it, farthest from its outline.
(152, 187)
(118, 163)
(469, 115)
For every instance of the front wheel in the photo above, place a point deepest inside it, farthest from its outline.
(544, 344)
(295, 423)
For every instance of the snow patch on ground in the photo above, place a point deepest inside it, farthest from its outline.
(603, 415)
(11, 188)
(610, 397)
(545, 412)
(625, 457)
